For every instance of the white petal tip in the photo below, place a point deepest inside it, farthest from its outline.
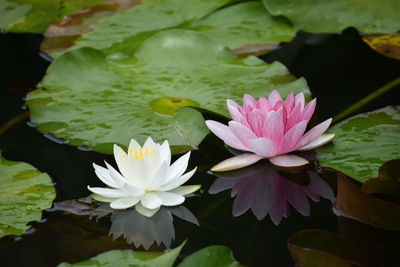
(145, 211)
(289, 162)
(320, 141)
(237, 162)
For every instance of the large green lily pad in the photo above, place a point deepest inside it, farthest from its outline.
(125, 258)
(211, 256)
(35, 15)
(89, 98)
(246, 27)
(363, 143)
(24, 193)
(316, 16)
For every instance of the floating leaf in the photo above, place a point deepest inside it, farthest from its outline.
(368, 16)
(34, 16)
(88, 98)
(353, 203)
(24, 193)
(211, 256)
(246, 27)
(363, 143)
(320, 248)
(387, 45)
(387, 184)
(125, 258)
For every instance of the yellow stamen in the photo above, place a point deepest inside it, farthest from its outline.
(139, 152)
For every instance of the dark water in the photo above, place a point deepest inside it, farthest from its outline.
(340, 69)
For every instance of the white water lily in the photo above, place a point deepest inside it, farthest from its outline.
(146, 179)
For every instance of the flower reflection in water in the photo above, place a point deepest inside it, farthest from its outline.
(143, 230)
(264, 190)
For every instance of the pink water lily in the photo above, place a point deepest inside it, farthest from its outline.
(270, 128)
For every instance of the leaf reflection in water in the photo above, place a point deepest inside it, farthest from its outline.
(264, 190)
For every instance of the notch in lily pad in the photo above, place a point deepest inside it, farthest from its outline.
(170, 105)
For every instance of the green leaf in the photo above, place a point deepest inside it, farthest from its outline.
(24, 193)
(246, 27)
(126, 258)
(363, 143)
(368, 16)
(321, 248)
(88, 98)
(353, 203)
(211, 256)
(35, 15)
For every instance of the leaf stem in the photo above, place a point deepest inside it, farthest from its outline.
(348, 111)
(11, 123)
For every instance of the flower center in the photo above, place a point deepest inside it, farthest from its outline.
(139, 153)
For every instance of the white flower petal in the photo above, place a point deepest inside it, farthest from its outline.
(102, 198)
(165, 152)
(124, 203)
(177, 182)
(159, 177)
(139, 173)
(149, 144)
(104, 175)
(116, 177)
(109, 192)
(178, 167)
(132, 190)
(185, 189)
(133, 144)
(170, 199)
(121, 160)
(151, 201)
(320, 141)
(145, 211)
(237, 162)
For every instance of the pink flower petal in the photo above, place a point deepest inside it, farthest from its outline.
(237, 162)
(234, 110)
(300, 100)
(308, 110)
(293, 118)
(257, 122)
(249, 103)
(291, 139)
(320, 141)
(273, 126)
(263, 147)
(243, 133)
(274, 98)
(225, 133)
(289, 162)
(263, 105)
(289, 103)
(314, 133)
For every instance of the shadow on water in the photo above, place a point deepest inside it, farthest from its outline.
(339, 69)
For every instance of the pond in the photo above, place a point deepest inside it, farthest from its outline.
(267, 216)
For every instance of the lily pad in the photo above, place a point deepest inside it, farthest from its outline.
(353, 203)
(363, 143)
(24, 193)
(35, 15)
(90, 99)
(127, 258)
(368, 16)
(321, 248)
(211, 256)
(246, 27)
(387, 45)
